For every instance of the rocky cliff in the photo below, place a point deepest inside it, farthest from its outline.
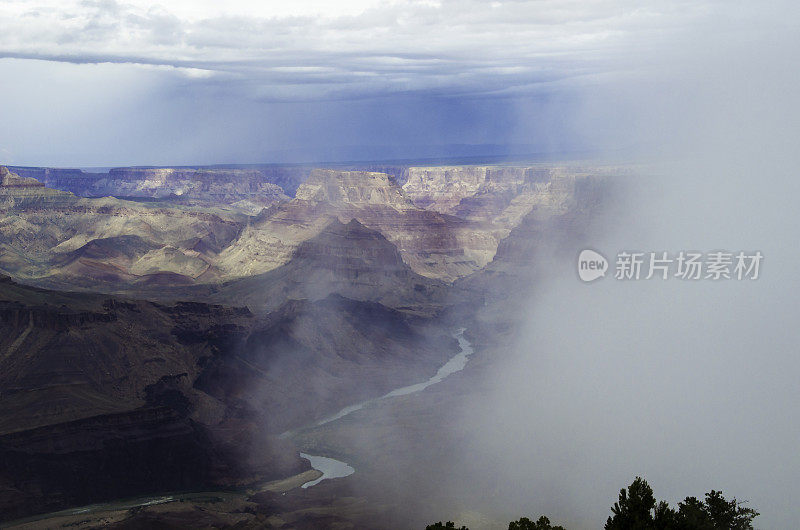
(261, 185)
(104, 398)
(446, 222)
(352, 289)
(12, 180)
(55, 238)
(204, 185)
(431, 243)
(346, 259)
(17, 193)
(486, 192)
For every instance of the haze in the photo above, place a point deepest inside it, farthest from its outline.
(692, 385)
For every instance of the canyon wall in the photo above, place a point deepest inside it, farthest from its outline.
(222, 185)
(445, 222)
(107, 398)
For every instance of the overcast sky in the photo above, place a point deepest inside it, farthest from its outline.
(181, 82)
(694, 386)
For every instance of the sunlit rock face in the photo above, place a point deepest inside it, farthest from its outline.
(494, 193)
(494, 198)
(445, 222)
(12, 180)
(18, 192)
(433, 244)
(443, 188)
(346, 259)
(55, 238)
(357, 189)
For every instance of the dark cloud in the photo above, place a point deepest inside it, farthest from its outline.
(410, 45)
(170, 65)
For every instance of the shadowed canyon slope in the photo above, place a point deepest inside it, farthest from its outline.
(351, 260)
(433, 244)
(200, 327)
(105, 398)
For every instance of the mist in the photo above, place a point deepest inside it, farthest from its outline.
(692, 385)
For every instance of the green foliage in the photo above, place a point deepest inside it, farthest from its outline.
(634, 509)
(526, 524)
(715, 513)
(637, 509)
(445, 526)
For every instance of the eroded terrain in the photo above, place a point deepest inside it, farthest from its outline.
(168, 345)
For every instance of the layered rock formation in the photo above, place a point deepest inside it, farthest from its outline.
(433, 244)
(105, 398)
(194, 186)
(442, 188)
(445, 222)
(73, 180)
(12, 180)
(349, 260)
(55, 238)
(261, 185)
(17, 193)
(352, 289)
(500, 194)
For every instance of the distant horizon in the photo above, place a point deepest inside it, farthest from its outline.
(107, 84)
(518, 157)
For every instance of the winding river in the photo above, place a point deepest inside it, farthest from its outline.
(332, 468)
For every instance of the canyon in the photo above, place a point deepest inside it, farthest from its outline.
(446, 223)
(163, 327)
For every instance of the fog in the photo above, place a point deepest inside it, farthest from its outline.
(692, 385)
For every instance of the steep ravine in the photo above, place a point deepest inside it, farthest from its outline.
(332, 468)
(329, 467)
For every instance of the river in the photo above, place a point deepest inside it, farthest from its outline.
(332, 468)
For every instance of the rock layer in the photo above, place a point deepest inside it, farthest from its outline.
(105, 398)
(433, 244)
(446, 222)
(55, 238)
(220, 185)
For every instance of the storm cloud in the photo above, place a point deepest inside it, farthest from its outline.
(106, 82)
